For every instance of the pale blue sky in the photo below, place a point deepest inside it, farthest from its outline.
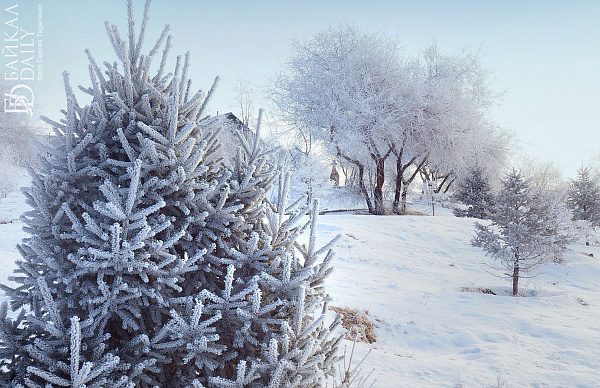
(546, 54)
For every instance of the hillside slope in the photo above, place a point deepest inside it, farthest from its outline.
(409, 273)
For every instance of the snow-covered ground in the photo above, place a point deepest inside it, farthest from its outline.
(11, 233)
(408, 272)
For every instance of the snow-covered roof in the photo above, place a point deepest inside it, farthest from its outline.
(232, 128)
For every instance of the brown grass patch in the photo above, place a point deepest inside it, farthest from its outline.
(478, 290)
(411, 213)
(358, 323)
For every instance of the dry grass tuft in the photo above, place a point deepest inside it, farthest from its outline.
(478, 290)
(357, 323)
(411, 213)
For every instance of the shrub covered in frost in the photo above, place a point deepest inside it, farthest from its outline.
(475, 192)
(527, 230)
(584, 197)
(150, 263)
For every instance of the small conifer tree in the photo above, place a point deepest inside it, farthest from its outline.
(526, 230)
(149, 262)
(476, 193)
(583, 198)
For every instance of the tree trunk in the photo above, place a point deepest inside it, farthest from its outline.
(379, 160)
(407, 182)
(361, 181)
(515, 276)
(398, 189)
(446, 181)
(363, 189)
(404, 195)
(379, 207)
(397, 192)
(449, 185)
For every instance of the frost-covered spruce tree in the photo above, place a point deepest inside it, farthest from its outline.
(526, 230)
(476, 193)
(151, 263)
(583, 197)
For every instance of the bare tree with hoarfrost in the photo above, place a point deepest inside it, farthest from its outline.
(310, 174)
(544, 175)
(454, 133)
(152, 263)
(344, 87)
(17, 133)
(353, 92)
(17, 130)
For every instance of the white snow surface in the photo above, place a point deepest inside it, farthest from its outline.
(11, 233)
(408, 272)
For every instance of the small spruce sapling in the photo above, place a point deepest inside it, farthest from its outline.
(525, 233)
(475, 192)
(583, 198)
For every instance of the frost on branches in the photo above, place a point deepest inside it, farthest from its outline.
(527, 230)
(476, 194)
(343, 88)
(584, 197)
(356, 94)
(151, 263)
